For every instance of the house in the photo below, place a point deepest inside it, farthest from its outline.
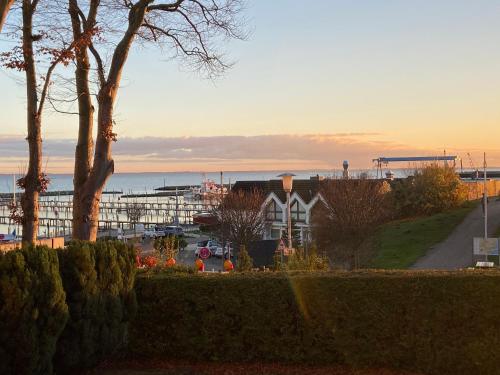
(303, 199)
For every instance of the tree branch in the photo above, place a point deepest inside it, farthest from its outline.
(4, 10)
(166, 7)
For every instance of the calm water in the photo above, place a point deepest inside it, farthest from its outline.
(147, 182)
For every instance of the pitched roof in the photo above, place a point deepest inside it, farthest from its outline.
(306, 189)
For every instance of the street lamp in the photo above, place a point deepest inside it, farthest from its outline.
(287, 179)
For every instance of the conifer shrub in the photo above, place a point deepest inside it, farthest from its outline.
(300, 261)
(245, 261)
(98, 279)
(33, 311)
(428, 322)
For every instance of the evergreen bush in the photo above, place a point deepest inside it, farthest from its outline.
(245, 262)
(428, 322)
(300, 261)
(98, 279)
(33, 311)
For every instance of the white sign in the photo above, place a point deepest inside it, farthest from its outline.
(485, 246)
(485, 264)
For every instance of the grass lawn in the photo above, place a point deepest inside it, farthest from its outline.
(398, 244)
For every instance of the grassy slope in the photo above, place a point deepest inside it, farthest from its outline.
(400, 243)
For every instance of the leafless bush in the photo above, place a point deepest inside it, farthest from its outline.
(349, 211)
(240, 217)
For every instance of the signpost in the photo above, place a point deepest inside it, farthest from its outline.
(485, 247)
(204, 253)
(281, 249)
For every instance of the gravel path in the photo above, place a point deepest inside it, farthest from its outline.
(456, 251)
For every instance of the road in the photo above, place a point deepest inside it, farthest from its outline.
(456, 251)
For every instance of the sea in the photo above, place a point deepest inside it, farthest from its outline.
(139, 183)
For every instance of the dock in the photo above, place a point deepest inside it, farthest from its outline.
(479, 175)
(55, 216)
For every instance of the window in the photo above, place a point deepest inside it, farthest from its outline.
(275, 234)
(298, 212)
(274, 212)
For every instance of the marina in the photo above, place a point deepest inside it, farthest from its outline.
(55, 215)
(125, 206)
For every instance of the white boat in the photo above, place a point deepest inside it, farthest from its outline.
(8, 237)
(208, 189)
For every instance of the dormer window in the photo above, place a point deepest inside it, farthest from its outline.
(274, 211)
(298, 212)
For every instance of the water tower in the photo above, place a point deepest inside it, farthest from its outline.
(345, 173)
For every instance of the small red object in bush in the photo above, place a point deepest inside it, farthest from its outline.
(228, 265)
(170, 262)
(200, 266)
(150, 261)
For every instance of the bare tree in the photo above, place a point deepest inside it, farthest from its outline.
(47, 53)
(134, 212)
(39, 51)
(240, 217)
(348, 212)
(4, 10)
(192, 28)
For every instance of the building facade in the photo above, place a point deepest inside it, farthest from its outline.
(303, 200)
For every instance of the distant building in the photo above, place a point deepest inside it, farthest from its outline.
(303, 199)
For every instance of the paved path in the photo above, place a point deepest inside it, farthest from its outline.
(456, 251)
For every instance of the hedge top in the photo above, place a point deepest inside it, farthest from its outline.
(332, 274)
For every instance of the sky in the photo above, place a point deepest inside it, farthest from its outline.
(314, 84)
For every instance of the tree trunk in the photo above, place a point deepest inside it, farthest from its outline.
(84, 206)
(88, 193)
(4, 10)
(29, 200)
(32, 180)
(87, 196)
(85, 214)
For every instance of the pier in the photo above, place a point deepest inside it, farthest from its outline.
(55, 215)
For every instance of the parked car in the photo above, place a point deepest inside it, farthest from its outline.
(153, 233)
(211, 245)
(228, 250)
(173, 230)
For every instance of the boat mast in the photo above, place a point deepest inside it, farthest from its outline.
(14, 189)
(485, 199)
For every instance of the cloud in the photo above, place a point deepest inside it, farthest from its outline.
(314, 151)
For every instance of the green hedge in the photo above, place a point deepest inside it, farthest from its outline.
(98, 279)
(436, 323)
(33, 310)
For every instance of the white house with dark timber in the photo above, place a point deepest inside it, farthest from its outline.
(303, 199)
